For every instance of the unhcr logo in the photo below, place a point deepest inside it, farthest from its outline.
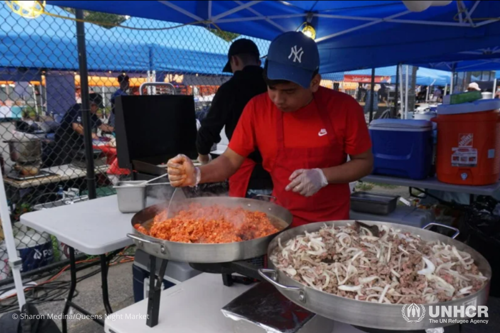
(469, 313)
(413, 313)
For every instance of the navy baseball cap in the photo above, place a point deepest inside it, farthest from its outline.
(292, 57)
(240, 46)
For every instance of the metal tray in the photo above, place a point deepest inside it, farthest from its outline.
(16, 176)
(371, 203)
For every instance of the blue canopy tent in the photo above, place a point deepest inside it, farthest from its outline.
(425, 76)
(484, 59)
(350, 34)
(47, 44)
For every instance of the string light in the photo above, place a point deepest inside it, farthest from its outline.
(28, 9)
(308, 30)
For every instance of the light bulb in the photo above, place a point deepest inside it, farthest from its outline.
(27, 4)
(308, 33)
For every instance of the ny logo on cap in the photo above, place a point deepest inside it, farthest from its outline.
(297, 54)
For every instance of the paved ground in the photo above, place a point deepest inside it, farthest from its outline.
(89, 297)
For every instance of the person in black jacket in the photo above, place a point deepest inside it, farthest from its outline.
(227, 106)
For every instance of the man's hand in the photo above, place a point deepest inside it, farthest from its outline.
(107, 128)
(94, 136)
(181, 172)
(307, 182)
(204, 159)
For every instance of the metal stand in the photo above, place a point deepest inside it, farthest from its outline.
(14, 261)
(155, 289)
(84, 88)
(104, 262)
(248, 270)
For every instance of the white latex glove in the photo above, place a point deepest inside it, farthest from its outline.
(182, 172)
(204, 159)
(307, 182)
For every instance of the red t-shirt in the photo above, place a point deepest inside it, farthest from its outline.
(302, 128)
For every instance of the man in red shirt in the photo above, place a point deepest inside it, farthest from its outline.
(304, 132)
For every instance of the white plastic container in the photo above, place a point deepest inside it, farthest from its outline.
(34, 248)
(425, 115)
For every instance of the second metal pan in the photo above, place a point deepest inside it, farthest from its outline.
(210, 253)
(360, 313)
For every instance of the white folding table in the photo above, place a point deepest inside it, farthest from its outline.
(193, 306)
(95, 227)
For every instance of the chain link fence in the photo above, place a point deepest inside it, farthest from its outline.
(41, 130)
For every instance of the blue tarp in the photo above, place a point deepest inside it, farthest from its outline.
(485, 59)
(50, 42)
(425, 76)
(350, 34)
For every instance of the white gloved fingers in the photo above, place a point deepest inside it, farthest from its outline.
(172, 171)
(176, 177)
(296, 173)
(293, 184)
(299, 188)
(177, 183)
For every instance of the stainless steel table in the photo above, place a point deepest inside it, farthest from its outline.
(433, 184)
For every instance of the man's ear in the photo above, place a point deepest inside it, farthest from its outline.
(315, 83)
(235, 60)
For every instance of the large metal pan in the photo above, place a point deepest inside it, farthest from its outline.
(360, 313)
(209, 253)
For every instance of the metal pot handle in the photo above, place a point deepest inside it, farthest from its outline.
(144, 240)
(264, 273)
(457, 232)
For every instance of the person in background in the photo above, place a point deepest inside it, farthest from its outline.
(473, 87)
(78, 95)
(368, 99)
(304, 132)
(124, 82)
(383, 93)
(228, 104)
(437, 95)
(69, 135)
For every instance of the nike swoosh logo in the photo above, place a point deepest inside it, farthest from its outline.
(322, 133)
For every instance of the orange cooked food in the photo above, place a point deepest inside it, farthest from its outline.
(213, 224)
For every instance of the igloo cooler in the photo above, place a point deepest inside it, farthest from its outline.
(402, 148)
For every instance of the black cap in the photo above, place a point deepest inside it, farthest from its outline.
(95, 98)
(123, 77)
(241, 46)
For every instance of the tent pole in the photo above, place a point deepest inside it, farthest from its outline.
(14, 261)
(84, 84)
(395, 110)
(407, 88)
(427, 95)
(451, 83)
(372, 99)
(401, 91)
(445, 90)
(494, 87)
